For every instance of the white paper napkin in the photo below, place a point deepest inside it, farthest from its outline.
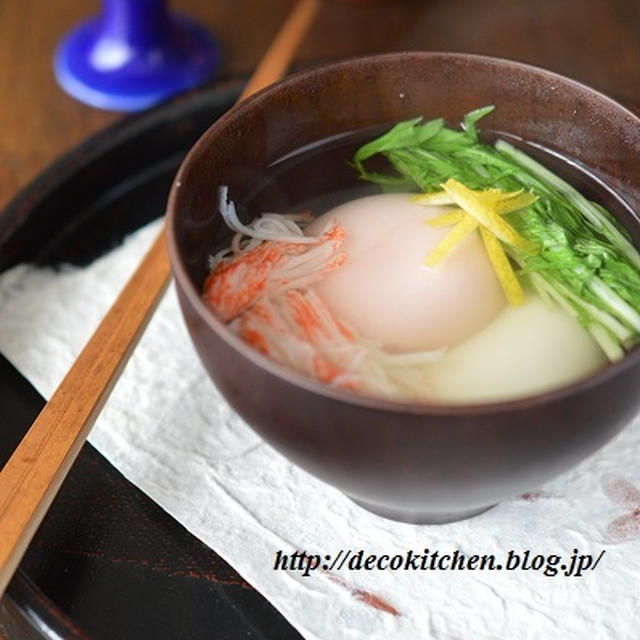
(168, 430)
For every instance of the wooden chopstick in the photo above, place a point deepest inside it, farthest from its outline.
(32, 476)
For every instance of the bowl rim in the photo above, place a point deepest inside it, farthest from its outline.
(297, 379)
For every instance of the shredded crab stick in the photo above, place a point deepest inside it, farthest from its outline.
(259, 286)
(298, 330)
(276, 257)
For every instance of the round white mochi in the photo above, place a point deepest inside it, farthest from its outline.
(527, 349)
(384, 291)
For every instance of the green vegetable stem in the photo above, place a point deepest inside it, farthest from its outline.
(584, 259)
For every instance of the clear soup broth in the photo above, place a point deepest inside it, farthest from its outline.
(453, 340)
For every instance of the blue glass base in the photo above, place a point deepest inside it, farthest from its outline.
(109, 73)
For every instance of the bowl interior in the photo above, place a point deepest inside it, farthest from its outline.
(253, 148)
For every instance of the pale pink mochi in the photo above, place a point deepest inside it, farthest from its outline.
(384, 291)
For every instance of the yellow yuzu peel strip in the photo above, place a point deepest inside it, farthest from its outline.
(482, 208)
(507, 205)
(446, 219)
(502, 267)
(481, 205)
(451, 241)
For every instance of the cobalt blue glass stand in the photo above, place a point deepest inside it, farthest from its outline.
(134, 54)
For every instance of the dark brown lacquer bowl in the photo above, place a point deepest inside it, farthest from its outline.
(416, 463)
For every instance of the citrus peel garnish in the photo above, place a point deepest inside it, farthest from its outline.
(451, 241)
(446, 219)
(483, 209)
(482, 206)
(501, 265)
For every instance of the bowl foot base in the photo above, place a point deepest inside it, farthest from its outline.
(419, 517)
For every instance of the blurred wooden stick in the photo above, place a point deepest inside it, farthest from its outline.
(32, 476)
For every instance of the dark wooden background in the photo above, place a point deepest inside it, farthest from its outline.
(594, 41)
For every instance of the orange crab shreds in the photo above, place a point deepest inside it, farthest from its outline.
(324, 370)
(239, 281)
(338, 331)
(250, 324)
(296, 329)
(235, 284)
(256, 340)
(334, 235)
(315, 324)
(308, 322)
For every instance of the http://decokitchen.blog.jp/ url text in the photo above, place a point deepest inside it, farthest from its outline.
(574, 564)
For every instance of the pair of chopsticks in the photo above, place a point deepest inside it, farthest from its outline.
(32, 476)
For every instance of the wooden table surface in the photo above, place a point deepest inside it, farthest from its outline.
(594, 41)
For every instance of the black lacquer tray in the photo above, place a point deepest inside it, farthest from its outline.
(107, 563)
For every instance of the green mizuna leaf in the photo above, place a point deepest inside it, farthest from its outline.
(584, 261)
(469, 121)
